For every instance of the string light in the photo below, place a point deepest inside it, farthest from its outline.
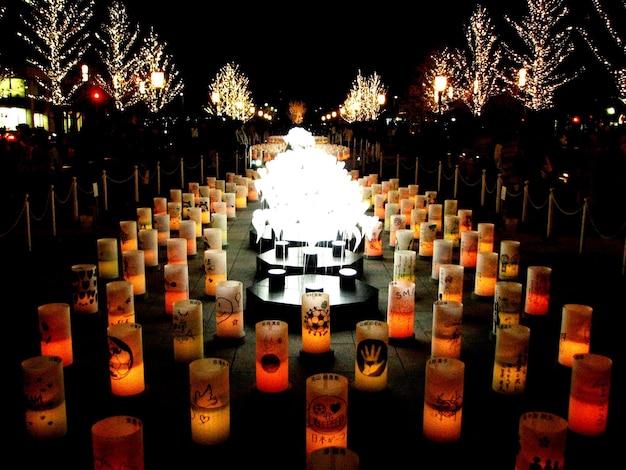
(362, 102)
(230, 96)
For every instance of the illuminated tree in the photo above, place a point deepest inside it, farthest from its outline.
(159, 79)
(618, 71)
(481, 76)
(546, 46)
(297, 110)
(119, 40)
(229, 95)
(365, 99)
(58, 33)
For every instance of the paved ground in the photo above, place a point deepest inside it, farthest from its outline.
(384, 429)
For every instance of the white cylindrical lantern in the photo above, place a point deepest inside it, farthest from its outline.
(428, 234)
(189, 201)
(176, 195)
(175, 211)
(451, 279)
(589, 394)
(442, 254)
(326, 411)
(176, 282)
(195, 214)
(435, 215)
(575, 337)
(468, 249)
(162, 224)
(404, 265)
(204, 203)
(401, 309)
(372, 354)
(404, 239)
(85, 288)
(450, 206)
(486, 232)
(159, 203)
(126, 366)
(418, 215)
(120, 302)
(509, 260)
(507, 304)
(117, 443)
(537, 298)
(451, 231)
(379, 206)
(144, 218)
(108, 258)
(391, 208)
(373, 241)
(187, 231)
(149, 243)
(446, 336)
(510, 365)
(44, 393)
(315, 322)
(272, 356)
(241, 196)
(176, 250)
(443, 399)
(542, 438)
(209, 395)
(465, 220)
(212, 238)
(486, 273)
(396, 222)
(229, 309)
(55, 330)
(128, 235)
(134, 270)
(220, 221)
(187, 322)
(215, 269)
(231, 209)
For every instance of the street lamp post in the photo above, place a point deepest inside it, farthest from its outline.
(441, 82)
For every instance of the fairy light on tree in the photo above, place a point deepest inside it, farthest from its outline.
(153, 57)
(297, 110)
(59, 36)
(447, 62)
(617, 71)
(229, 95)
(118, 40)
(547, 46)
(363, 102)
(481, 76)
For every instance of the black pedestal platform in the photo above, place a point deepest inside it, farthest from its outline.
(347, 305)
(317, 260)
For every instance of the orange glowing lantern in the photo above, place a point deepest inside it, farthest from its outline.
(326, 411)
(210, 412)
(443, 399)
(55, 329)
(446, 335)
(126, 366)
(537, 299)
(370, 365)
(401, 309)
(117, 443)
(272, 356)
(575, 335)
(510, 366)
(589, 394)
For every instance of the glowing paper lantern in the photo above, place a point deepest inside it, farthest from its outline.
(149, 243)
(446, 336)
(176, 282)
(126, 366)
(542, 439)
(220, 221)
(231, 209)
(134, 270)
(204, 203)
(428, 234)
(332, 458)
(451, 224)
(443, 399)
(486, 232)
(55, 330)
(510, 366)
(144, 218)
(212, 238)
(128, 235)
(241, 196)
(326, 411)
(315, 323)
(442, 254)
(372, 353)
(486, 274)
(272, 356)
(187, 231)
(117, 443)
(451, 279)
(85, 288)
(195, 214)
(468, 249)
(214, 269)
(507, 304)
(401, 309)
(162, 224)
(417, 217)
(159, 204)
(589, 394)
(404, 265)
(373, 241)
(509, 260)
(465, 220)
(537, 299)
(391, 208)
(176, 250)
(120, 302)
(44, 393)
(575, 335)
(187, 322)
(108, 258)
(450, 207)
(215, 196)
(188, 202)
(175, 211)
(406, 206)
(396, 222)
(435, 216)
(229, 309)
(404, 239)
(209, 396)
